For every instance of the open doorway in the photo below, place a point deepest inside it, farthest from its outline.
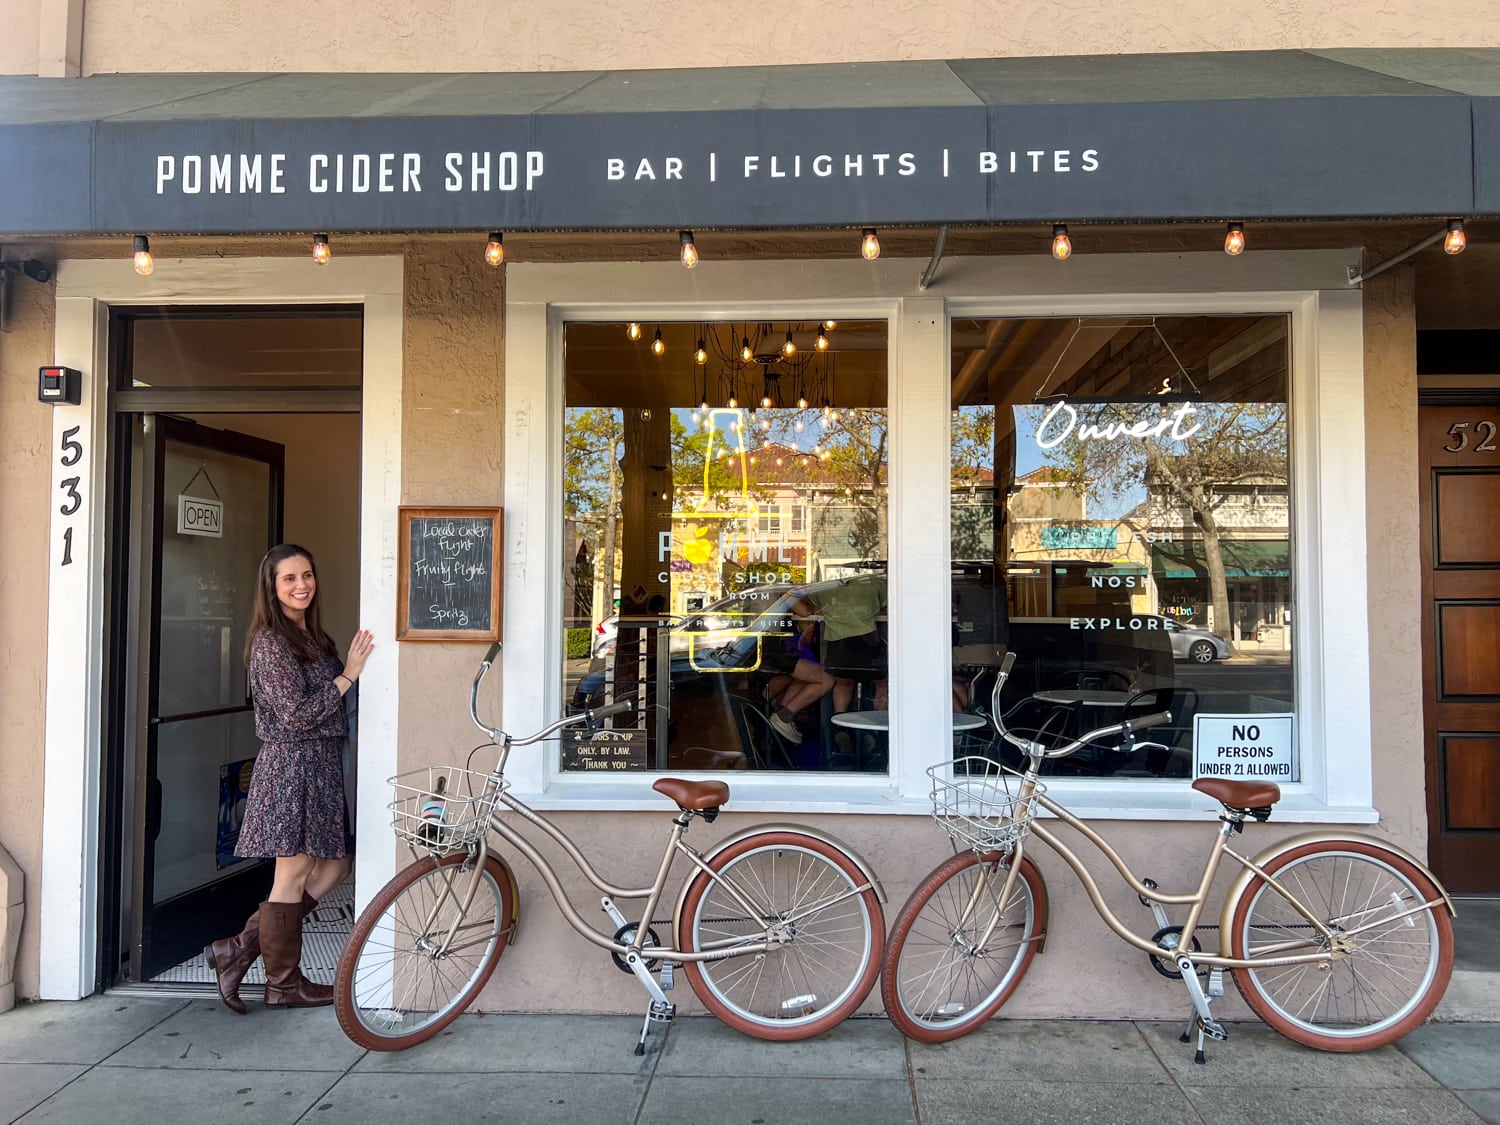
(235, 430)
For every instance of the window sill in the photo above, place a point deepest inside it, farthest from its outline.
(1089, 800)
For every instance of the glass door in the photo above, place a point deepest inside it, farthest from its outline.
(213, 507)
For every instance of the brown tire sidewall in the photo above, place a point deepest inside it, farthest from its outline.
(343, 982)
(908, 918)
(830, 1019)
(1413, 1019)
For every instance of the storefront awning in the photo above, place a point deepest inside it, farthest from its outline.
(1244, 135)
(1242, 559)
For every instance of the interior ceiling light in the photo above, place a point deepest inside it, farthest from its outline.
(700, 357)
(633, 330)
(322, 252)
(1456, 239)
(822, 341)
(657, 346)
(830, 324)
(144, 263)
(494, 249)
(745, 353)
(1062, 245)
(789, 347)
(689, 251)
(869, 245)
(1234, 240)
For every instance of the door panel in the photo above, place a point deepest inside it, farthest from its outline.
(196, 737)
(1460, 464)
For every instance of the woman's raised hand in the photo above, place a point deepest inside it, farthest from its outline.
(359, 651)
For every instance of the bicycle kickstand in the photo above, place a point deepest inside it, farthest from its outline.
(1201, 1019)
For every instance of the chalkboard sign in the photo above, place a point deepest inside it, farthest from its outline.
(449, 575)
(607, 750)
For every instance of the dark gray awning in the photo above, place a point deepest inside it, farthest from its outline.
(1242, 135)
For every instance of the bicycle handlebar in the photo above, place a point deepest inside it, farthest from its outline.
(590, 717)
(1033, 749)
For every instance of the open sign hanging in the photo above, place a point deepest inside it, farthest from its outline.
(197, 516)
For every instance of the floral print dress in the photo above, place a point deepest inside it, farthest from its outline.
(296, 799)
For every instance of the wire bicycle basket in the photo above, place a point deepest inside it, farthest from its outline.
(444, 810)
(980, 804)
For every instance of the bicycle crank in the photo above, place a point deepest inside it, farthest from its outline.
(625, 935)
(1168, 939)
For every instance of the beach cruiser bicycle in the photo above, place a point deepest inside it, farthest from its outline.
(778, 928)
(1336, 940)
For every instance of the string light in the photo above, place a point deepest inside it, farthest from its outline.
(494, 249)
(1062, 245)
(322, 252)
(700, 357)
(689, 251)
(822, 341)
(789, 348)
(633, 330)
(657, 347)
(869, 245)
(1456, 239)
(1234, 239)
(144, 263)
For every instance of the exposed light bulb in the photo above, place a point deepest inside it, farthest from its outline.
(1456, 239)
(700, 357)
(322, 252)
(144, 263)
(745, 353)
(646, 414)
(801, 403)
(633, 330)
(657, 347)
(1062, 245)
(1234, 239)
(733, 404)
(689, 251)
(703, 406)
(765, 400)
(789, 348)
(830, 324)
(822, 342)
(869, 245)
(494, 249)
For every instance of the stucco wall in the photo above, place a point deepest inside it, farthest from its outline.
(472, 35)
(1392, 495)
(25, 486)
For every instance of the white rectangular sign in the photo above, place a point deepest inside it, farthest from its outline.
(1245, 747)
(197, 516)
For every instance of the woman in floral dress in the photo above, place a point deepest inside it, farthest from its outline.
(295, 809)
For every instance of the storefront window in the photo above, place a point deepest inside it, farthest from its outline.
(725, 537)
(1121, 522)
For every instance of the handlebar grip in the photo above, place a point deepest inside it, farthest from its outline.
(1008, 663)
(489, 657)
(1145, 721)
(618, 707)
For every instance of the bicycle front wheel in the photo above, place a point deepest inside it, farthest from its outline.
(1396, 958)
(422, 951)
(957, 952)
(817, 910)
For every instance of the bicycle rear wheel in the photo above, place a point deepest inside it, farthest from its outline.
(417, 957)
(827, 935)
(957, 952)
(1384, 986)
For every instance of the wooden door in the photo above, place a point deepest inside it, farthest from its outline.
(1460, 451)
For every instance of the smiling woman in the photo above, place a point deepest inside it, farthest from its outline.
(1123, 482)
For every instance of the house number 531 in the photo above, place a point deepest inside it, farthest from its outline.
(72, 453)
(1459, 432)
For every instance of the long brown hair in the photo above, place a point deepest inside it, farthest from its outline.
(308, 646)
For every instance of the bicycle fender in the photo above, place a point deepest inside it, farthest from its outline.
(801, 830)
(514, 924)
(1242, 881)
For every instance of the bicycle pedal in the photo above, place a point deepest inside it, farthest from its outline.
(1214, 1030)
(662, 1013)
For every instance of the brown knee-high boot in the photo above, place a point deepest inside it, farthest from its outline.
(230, 958)
(281, 948)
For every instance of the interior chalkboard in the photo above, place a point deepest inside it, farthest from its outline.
(449, 574)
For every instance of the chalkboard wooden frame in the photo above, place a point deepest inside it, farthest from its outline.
(404, 630)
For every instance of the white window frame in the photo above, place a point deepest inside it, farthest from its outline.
(1328, 473)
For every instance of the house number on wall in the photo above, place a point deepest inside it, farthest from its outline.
(72, 453)
(1459, 433)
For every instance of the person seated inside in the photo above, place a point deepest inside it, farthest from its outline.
(809, 681)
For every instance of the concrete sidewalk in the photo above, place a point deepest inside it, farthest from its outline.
(128, 1060)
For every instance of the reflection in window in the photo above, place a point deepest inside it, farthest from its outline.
(1121, 521)
(725, 542)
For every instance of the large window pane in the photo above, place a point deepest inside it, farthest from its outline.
(725, 541)
(1121, 522)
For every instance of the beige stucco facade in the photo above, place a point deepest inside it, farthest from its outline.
(453, 400)
(182, 36)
